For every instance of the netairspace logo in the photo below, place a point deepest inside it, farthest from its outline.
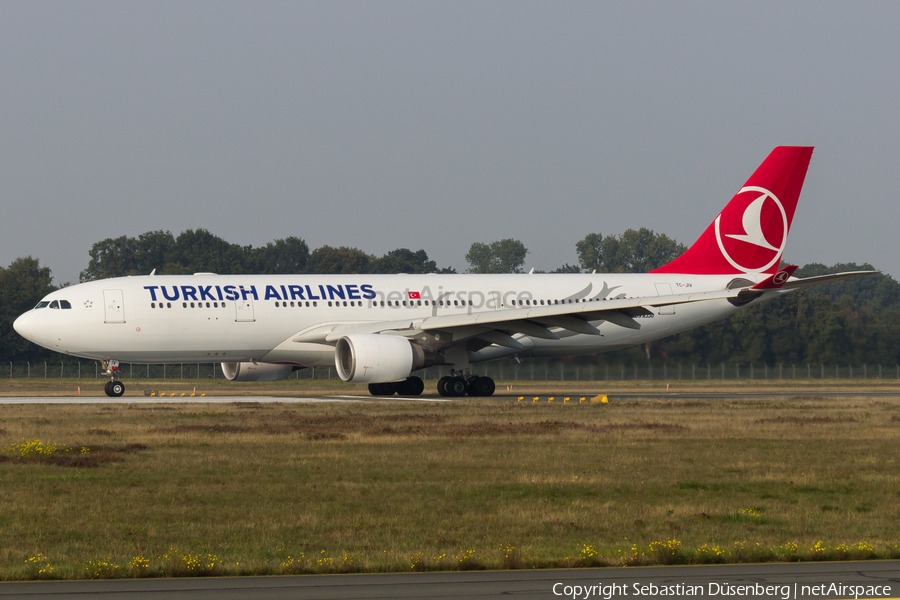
(783, 592)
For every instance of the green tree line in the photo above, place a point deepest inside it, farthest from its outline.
(847, 322)
(199, 251)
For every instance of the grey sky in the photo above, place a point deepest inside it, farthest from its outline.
(433, 125)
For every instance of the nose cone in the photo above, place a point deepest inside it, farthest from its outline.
(26, 326)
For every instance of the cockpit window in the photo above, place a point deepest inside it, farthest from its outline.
(42, 304)
(64, 304)
(54, 304)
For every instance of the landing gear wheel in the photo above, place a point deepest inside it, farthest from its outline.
(457, 386)
(481, 386)
(107, 389)
(382, 389)
(413, 386)
(442, 385)
(115, 389)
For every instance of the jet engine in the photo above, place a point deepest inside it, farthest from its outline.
(251, 371)
(375, 358)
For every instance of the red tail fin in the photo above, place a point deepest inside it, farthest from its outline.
(750, 234)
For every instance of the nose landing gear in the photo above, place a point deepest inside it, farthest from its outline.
(114, 388)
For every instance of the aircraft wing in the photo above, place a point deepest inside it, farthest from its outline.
(498, 326)
(534, 321)
(574, 317)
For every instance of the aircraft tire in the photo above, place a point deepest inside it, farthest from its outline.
(412, 386)
(116, 389)
(457, 387)
(481, 386)
(106, 388)
(442, 386)
(389, 387)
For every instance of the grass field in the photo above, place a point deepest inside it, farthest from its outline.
(249, 488)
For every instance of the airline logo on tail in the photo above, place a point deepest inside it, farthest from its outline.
(761, 231)
(750, 234)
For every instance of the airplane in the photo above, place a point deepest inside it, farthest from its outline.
(381, 329)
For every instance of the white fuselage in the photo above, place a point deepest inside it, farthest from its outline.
(236, 318)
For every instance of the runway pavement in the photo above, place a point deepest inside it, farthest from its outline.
(206, 399)
(794, 581)
(432, 398)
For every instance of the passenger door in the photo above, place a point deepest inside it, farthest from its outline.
(243, 310)
(113, 306)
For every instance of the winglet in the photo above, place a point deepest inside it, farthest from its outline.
(776, 281)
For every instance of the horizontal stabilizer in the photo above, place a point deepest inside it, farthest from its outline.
(776, 281)
(799, 283)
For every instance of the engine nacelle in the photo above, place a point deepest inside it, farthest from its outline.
(375, 358)
(251, 371)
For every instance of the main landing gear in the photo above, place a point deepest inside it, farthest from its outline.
(114, 388)
(459, 384)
